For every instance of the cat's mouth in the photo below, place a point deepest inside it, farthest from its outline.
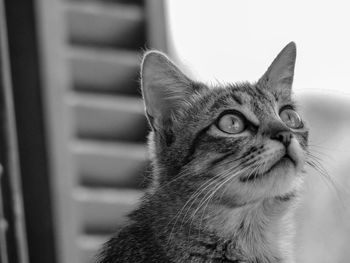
(285, 160)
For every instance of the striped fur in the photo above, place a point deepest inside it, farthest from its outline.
(215, 197)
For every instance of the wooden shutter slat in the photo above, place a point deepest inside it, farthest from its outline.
(108, 118)
(102, 164)
(104, 70)
(87, 245)
(102, 211)
(128, 2)
(98, 24)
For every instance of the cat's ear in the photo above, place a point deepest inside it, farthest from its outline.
(279, 75)
(164, 88)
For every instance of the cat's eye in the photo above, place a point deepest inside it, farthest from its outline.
(291, 118)
(231, 123)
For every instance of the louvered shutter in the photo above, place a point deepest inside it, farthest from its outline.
(90, 53)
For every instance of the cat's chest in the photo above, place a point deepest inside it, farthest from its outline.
(208, 251)
(214, 251)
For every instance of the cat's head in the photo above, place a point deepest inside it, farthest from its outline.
(245, 141)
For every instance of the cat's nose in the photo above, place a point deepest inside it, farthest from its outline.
(283, 136)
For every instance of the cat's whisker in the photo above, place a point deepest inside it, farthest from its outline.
(320, 147)
(332, 186)
(206, 199)
(205, 189)
(316, 151)
(313, 155)
(177, 216)
(192, 198)
(183, 173)
(260, 169)
(197, 192)
(253, 170)
(320, 150)
(217, 176)
(316, 164)
(224, 174)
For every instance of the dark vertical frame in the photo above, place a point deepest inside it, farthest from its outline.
(7, 245)
(23, 52)
(12, 223)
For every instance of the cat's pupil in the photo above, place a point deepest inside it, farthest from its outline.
(234, 124)
(291, 118)
(231, 123)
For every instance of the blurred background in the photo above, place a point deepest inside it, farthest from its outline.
(73, 131)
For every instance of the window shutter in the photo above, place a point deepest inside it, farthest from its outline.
(91, 51)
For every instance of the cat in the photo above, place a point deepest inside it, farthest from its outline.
(227, 169)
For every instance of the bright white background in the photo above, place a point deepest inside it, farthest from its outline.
(236, 40)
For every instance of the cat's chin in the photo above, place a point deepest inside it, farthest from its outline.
(279, 179)
(282, 178)
(284, 165)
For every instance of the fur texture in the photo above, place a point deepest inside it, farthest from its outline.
(216, 196)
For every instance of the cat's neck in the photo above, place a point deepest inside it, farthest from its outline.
(262, 230)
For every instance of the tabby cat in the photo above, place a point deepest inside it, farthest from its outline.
(227, 165)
